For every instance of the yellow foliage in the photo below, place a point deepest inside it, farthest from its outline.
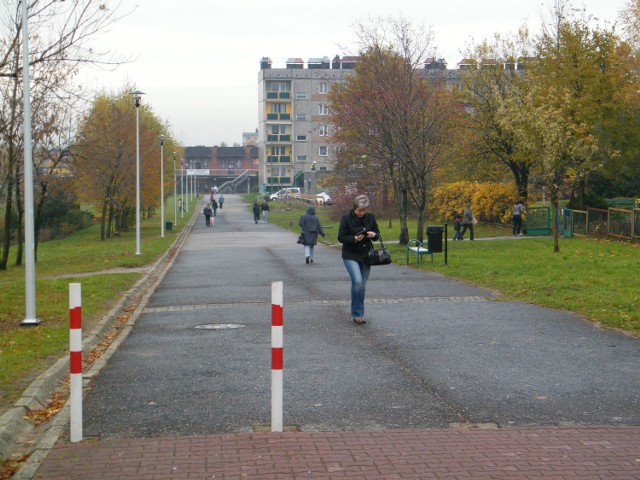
(490, 201)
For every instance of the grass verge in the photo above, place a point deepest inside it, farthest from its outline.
(593, 277)
(27, 351)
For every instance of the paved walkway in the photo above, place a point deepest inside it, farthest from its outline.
(359, 446)
(558, 453)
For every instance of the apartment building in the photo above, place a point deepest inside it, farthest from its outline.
(293, 131)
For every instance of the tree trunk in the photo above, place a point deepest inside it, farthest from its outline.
(403, 207)
(37, 220)
(6, 234)
(19, 235)
(554, 223)
(103, 221)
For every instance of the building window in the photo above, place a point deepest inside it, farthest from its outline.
(278, 86)
(278, 108)
(301, 116)
(324, 151)
(322, 88)
(324, 109)
(301, 138)
(278, 151)
(324, 130)
(278, 129)
(323, 169)
(301, 158)
(301, 96)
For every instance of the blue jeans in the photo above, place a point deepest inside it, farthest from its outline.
(359, 273)
(308, 250)
(265, 215)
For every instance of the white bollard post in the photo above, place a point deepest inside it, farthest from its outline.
(277, 356)
(75, 365)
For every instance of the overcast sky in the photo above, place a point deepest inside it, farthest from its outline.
(198, 60)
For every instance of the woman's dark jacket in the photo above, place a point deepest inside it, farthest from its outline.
(350, 225)
(311, 227)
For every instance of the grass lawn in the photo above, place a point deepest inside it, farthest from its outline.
(593, 277)
(27, 351)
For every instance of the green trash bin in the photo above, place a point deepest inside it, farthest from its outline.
(168, 226)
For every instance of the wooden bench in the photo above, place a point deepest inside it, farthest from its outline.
(419, 249)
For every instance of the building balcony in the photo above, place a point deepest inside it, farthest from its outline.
(279, 159)
(278, 116)
(277, 95)
(279, 138)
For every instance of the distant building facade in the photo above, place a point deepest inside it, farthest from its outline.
(231, 169)
(293, 113)
(293, 120)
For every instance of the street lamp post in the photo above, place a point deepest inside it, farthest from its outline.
(175, 196)
(29, 228)
(188, 186)
(162, 186)
(137, 95)
(182, 184)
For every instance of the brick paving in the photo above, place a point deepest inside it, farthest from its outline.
(558, 453)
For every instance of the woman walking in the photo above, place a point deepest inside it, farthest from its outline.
(311, 227)
(467, 222)
(357, 229)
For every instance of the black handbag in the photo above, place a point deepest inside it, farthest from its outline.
(378, 256)
(301, 239)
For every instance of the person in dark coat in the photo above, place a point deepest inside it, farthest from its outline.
(207, 215)
(256, 211)
(265, 211)
(311, 227)
(357, 229)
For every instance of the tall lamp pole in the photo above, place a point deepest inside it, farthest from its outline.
(29, 229)
(187, 186)
(182, 184)
(175, 196)
(137, 95)
(162, 186)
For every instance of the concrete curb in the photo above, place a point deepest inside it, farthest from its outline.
(13, 424)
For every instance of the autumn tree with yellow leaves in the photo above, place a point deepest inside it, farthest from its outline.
(568, 115)
(105, 160)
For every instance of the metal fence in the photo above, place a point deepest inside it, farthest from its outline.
(597, 222)
(538, 221)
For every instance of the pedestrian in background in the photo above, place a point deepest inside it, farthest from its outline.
(221, 201)
(467, 222)
(214, 207)
(518, 210)
(207, 215)
(357, 228)
(311, 227)
(256, 211)
(457, 223)
(265, 211)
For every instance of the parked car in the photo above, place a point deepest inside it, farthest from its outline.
(284, 193)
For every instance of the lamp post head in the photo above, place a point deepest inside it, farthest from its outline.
(137, 96)
(161, 140)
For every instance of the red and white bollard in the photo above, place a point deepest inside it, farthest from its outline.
(277, 355)
(75, 366)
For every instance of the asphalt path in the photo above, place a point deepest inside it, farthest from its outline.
(435, 352)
